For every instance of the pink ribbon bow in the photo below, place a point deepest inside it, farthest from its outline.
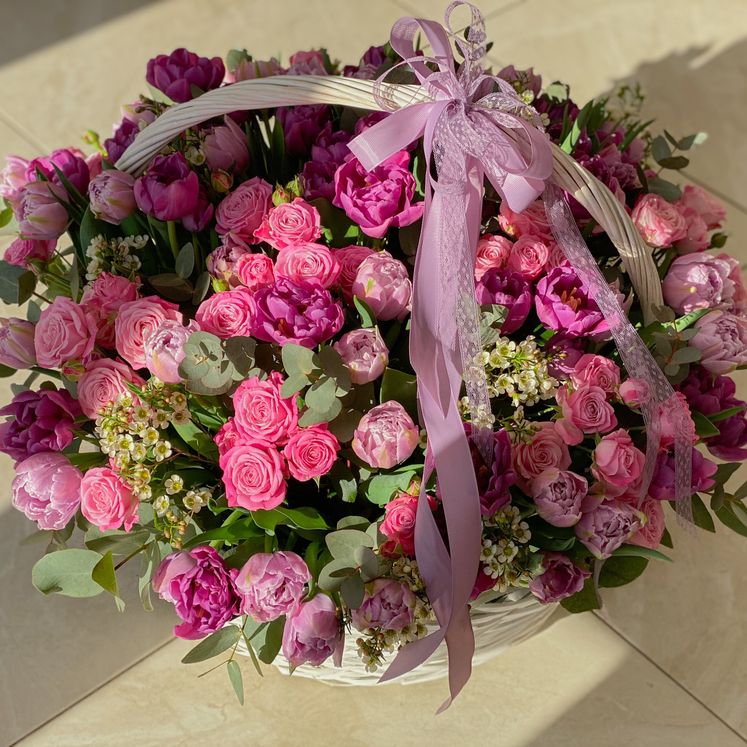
(475, 126)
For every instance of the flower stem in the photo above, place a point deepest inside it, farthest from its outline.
(173, 240)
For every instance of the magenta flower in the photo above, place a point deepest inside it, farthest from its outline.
(41, 214)
(69, 162)
(301, 126)
(312, 632)
(509, 289)
(493, 482)
(180, 73)
(327, 154)
(169, 190)
(112, 196)
(662, 483)
(560, 578)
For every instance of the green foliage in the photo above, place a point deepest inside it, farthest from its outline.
(105, 576)
(637, 551)
(116, 541)
(401, 387)
(297, 518)
(365, 312)
(381, 487)
(492, 317)
(237, 682)
(197, 440)
(184, 264)
(584, 600)
(67, 572)
(216, 643)
(16, 284)
(620, 570)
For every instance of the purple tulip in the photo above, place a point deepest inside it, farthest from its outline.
(607, 526)
(70, 162)
(662, 483)
(301, 126)
(17, 343)
(169, 190)
(561, 578)
(387, 605)
(180, 73)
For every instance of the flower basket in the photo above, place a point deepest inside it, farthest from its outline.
(369, 370)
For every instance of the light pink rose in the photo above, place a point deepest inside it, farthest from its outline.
(544, 450)
(492, 251)
(41, 213)
(103, 297)
(46, 488)
(290, 223)
(364, 353)
(65, 332)
(164, 349)
(596, 370)
(241, 212)
(112, 196)
(311, 452)
(607, 526)
(559, 496)
(272, 584)
(254, 475)
(310, 262)
(618, 464)
(307, 63)
(137, 321)
(22, 252)
(227, 314)
(583, 411)
(255, 271)
(106, 500)
(722, 340)
(529, 256)
(530, 222)
(103, 381)
(659, 222)
(261, 411)
(385, 436)
(17, 343)
(225, 147)
(696, 237)
(227, 437)
(672, 424)
(650, 534)
(312, 632)
(697, 281)
(384, 284)
(350, 258)
(709, 208)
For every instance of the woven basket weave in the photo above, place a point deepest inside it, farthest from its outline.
(497, 625)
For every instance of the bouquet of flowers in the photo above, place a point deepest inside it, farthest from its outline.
(220, 384)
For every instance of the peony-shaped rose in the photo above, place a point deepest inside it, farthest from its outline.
(227, 314)
(112, 196)
(510, 290)
(596, 370)
(22, 252)
(328, 152)
(241, 212)
(492, 252)
(221, 263)
(559, 496)
(62, 165)
(137, 321)
(378, 199)
(618, 464)
(17, 343)
(311, 452)
(721, 338)
(299, 312)
(635, 392)
(531, 221)
(255, 271)
(384, 284)
(364, 353)
(312, 632)
(308, 262)
(602, 530)
(47, 489)
(182, 75)
(107, 501)
(696, 237)
(659, 221)
(164, 349)
(290, 223)
(662, 483)
(224, 147)
(38, 421)
(387, 605)
(697, 281)
(201, 589)
(272, 584)
(529, 256)
(710, 209)
(262, 412)
(560, 578)
(399, 521)
(169, 190)
(103, 298)
(650, 534)
(254, 475)
(65, 332)
(385, 436)
(584, 410)
(543, 450)
(102, 382)
(41, 212)
(350, 258)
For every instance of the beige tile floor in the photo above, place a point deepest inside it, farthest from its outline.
(668, 664)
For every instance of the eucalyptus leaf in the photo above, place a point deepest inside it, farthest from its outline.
(216, 643)
(202, 286)
(240, 351)
(400, 387)
(117, 542)
(618, 571)
(334, 573)
(67, 572)
(16, 284)
(184, 264)
(353, 591)
(321, 395)
(343, 542)
(172, 287)
(298, 359)
(269, 639)
(381, 487)
(237, 682)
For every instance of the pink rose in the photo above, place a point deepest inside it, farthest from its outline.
(559, 496)
(311, 452)
(227, 437)
(290, 223)
(106, 500)
(17, 343)
(137, 321)
(41, 211)
(350, 258)
(310, 262)
(671, 421)
(697, 281)
(46, 488)
(221, 263)
(492, 251)
(112, 196)
(696, 237)
(254, 475)
(312, 632)
(22, 252)
(164, 349)
(385, 436)
(659, 222)
(650, 534)
(530, 222)
(596, 370)
(607, 526)
(529, 256)
(255, 271)
(227, 314)
(242, 211)
(635, 392)
(559, 579)
(102, 383)
(387, 605)
(225, 147)
(545, 449)
(722, 340)
(104, 297)
(617, 463)
(384, 284)
(364, 353)
(583, 411)
(272, 584)
(307, 63)
(261, 411)
(399, 521)
(65, 332)
(710, 209)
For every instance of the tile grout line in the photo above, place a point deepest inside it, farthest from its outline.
(669, 676)
(91, 692)
(13, 124)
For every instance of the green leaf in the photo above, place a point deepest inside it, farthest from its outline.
(185, 261)
(667, 190)
(365, 312)
(690, 140)
(298, 359)
(729, 518)
(16, 284)
(300, 518)
(686, 355)
(240, 351)
(216, 643)
(84, 460)
(353, 522)
(400, 387)
(368, 562)
(238, 530)
(345, 484)
(197, 439)
(234, 674)
(343, 542)
(703, 426)
(716, 416)
(618, 571)
(321, 395)
(172, 287)
(268, 640)
(116, 542)
(292, 385)
(202, 286)
(675, 163)
(683, 322)
(381, 487)
(584, 600)
(339, 230)
(701, 515)
(638, 551)
(105, 576)
(578, 126)
(333, 366)
(6, 216)
(660, 148)
(353, 590)
(334, 573)
(67, 572)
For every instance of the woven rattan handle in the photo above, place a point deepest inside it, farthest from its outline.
(267, 93)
